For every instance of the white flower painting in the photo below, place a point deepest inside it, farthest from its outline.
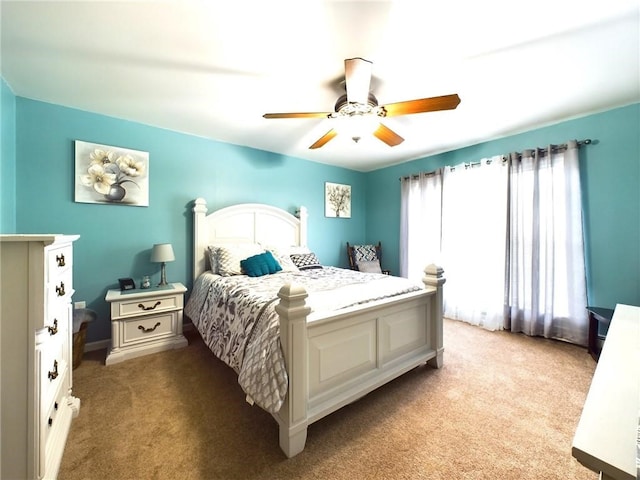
(106, 174)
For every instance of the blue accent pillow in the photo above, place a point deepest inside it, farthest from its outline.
(259, 265)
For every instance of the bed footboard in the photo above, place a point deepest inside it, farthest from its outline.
(333, 361)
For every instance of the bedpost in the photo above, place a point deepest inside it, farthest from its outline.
(292, 417)
(303, 215)
(434, 277)
(199, 236)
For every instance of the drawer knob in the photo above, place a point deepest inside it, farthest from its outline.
(53, 330)
(50, 422)
(140, 305)
(53, 374)
(147, 330)
(60, 260)
(60, 290)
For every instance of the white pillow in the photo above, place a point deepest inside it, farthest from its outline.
(283, 259)
(225, 259)
(298, 250)
(372, 266)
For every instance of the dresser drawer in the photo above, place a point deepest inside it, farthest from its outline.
(57, 320)
(136, 307)
(51, 369)
(50, 412)
(144, 329)
(60, 289)
(59, 260)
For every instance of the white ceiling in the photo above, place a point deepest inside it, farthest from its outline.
(212, 68)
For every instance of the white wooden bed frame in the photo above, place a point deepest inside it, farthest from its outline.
(331, 360)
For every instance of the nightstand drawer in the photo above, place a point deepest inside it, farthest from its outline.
(136, 307)
(143, 329)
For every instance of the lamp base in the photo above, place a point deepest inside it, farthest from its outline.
(163, 275)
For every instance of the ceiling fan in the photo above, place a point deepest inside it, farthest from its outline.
(360, 103)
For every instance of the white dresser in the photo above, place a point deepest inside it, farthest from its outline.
(36, 286)
(607, 439)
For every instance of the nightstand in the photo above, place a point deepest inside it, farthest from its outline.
(145, 321)
(597, 317)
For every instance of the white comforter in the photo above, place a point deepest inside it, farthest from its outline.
(236, 318)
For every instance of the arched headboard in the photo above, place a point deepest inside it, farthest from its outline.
(241, 224)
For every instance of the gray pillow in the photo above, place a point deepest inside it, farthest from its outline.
(371, 266)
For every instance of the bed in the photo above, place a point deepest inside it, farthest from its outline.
(330, 356)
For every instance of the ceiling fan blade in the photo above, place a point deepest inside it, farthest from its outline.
(297, 115)
(357, 74)
(431, 104)
(388, 136)
(324, 139)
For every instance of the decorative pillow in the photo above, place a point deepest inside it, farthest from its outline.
(298, 249)
(228, 258)
(258, 265)
(369, 266)
(212, 251)
(283, 258)
(305, 261)
(364, 252)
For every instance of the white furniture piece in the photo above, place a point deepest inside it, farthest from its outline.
(378, 341)
(36, 286)
(607, 437)
(145, 321)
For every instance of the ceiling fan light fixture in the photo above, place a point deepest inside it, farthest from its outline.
(344, 108)
(357, 125)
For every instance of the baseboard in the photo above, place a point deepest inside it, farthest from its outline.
(104, 344)
(99, 345)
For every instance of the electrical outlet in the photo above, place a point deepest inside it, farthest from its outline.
(80, 305)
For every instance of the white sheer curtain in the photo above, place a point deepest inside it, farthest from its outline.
(474, 233)
(420, 217)
(546, 273)
(509, 237)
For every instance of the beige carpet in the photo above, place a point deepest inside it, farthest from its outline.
(504, 406)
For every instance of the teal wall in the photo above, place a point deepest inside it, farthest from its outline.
(115, 239)
(37, 191)
(610, 172)
(7, 158)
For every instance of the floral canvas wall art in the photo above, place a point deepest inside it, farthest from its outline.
(107, 174)
(337, 202)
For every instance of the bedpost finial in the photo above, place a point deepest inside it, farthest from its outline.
(302, 212)
(434, 275)
(200, 205)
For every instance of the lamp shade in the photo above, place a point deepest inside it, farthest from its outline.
(162, 252)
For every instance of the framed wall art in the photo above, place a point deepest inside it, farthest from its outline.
(337, 200)
(107, 174)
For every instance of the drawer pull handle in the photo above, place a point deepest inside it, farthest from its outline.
(60, 290)
(53, 330)
(140, 305)
(50, 422)
(55, 405)
(54, 373)
(147, 330)
(60, 260)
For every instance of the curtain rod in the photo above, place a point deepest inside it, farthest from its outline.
(559, 147)
(555, 148)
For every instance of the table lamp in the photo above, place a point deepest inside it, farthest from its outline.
(162, 253)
